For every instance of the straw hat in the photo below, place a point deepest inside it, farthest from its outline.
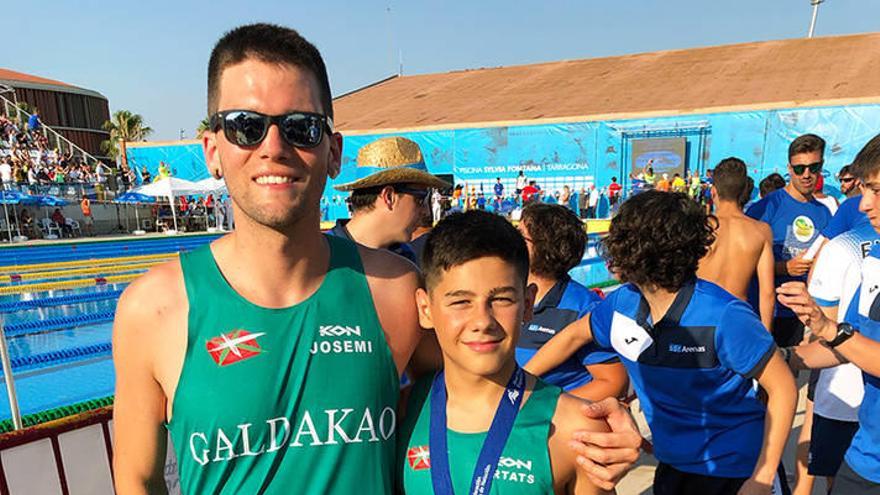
(391, 160)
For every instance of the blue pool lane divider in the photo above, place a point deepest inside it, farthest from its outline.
(45, 302)
(54, 358)
(59, 323)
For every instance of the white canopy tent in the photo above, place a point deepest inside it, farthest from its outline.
(215, 187)
(170, 187)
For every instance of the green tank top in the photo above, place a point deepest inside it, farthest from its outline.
(524, 467)
(292, 400)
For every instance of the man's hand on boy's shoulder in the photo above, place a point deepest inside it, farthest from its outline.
(603, 436)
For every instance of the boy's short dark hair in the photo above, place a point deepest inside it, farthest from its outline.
(746, 194)
(558, 239)
(657, 240)
(771, 183)
(867, 161)
(807, 143)
(463, 237)
(268, 43)
(730, 178)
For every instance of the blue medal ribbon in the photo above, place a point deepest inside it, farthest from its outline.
(496, 438)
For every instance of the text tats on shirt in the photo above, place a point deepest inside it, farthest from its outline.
(341, 339)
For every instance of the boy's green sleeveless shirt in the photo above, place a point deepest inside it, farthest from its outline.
(292, 400)
(524, 467)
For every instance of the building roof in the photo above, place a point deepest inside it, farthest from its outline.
(21, 80)
(772, 74)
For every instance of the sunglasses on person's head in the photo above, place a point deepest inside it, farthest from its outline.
(249, 128)
(814, 168)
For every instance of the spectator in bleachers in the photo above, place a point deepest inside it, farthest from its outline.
(34, 123)
(6, 173)
(61, 222)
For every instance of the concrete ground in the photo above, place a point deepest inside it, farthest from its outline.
(639, 480)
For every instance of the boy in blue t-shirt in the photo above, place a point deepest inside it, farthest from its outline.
(691, 350)
(556, 241)
(796, 219)
(856, 340)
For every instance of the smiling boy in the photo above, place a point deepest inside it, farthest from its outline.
(483, 425)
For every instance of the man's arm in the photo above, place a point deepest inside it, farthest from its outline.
(393, 281)
(859, 350)
(766, 280)
(139, 405)
(566, 420)
(561, 347)
(777, 381)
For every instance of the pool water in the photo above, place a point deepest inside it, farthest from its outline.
(64, 366)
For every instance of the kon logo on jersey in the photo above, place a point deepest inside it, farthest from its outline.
(234, 346)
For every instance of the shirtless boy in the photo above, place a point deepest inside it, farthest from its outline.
(743, 247)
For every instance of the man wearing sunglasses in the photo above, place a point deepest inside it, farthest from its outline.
(796, 218)
(273, 355)
(849, 183)
(389, 197)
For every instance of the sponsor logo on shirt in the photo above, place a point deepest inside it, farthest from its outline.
(340, 339)
(538, 328)
(515, 470)
(803, 228)
(684, 349)
(419, 458)
(232, 347)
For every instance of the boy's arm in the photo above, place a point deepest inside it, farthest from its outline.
(561, 347)
(766, 279)
(777, 380)
(609, 380)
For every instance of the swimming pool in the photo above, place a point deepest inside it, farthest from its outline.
(59, 339)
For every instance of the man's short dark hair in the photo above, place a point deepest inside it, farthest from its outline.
(730, 178)
(364, 199)
(463, 237)
(867, 161)
(770, 183)
(268, 43)
(808, 143)
(558, 239)
(845, 170)
(657, 239)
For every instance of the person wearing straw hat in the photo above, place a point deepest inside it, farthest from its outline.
(389, 196)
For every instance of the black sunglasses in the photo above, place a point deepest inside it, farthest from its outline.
(420, 195)
(814, 168)
(249, 128)
(847, 180)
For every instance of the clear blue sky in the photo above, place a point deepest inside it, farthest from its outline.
(151, 57)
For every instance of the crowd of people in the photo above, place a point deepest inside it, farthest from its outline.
(511, 372)
(29, 164)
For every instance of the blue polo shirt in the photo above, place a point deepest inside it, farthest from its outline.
(795, 226)
(693, 373)
(863, 313)
(565, 303)
(400, 249)
(847, 218)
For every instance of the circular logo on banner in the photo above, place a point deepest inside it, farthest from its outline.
(803, 228)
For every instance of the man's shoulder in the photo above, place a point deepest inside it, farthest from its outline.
(153, 298)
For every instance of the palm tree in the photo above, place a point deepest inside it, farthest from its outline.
(124, 127)
(204, 126)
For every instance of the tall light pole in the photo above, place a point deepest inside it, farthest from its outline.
(815, 4)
